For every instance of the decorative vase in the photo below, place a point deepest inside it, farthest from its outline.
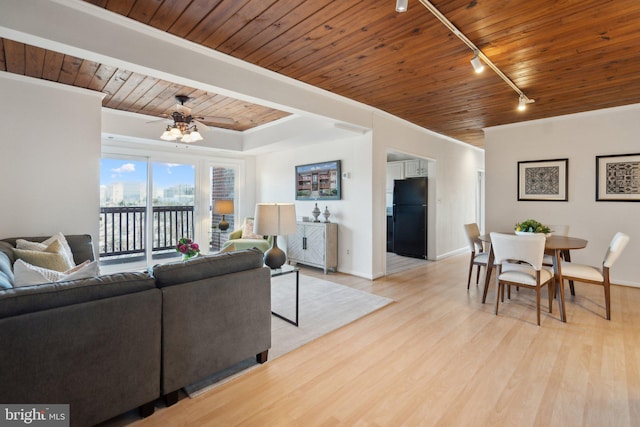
(326, 214)
(316, 213)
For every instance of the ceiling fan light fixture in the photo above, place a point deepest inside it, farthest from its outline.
(167, 136)
(195, 135)
(477, 64)
(402, 5)
(175, 132)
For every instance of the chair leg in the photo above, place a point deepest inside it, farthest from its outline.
(498, 289)
(550, 289)
(478, 275)
(470, 271)
(571, 288)
(607, 297)
(538, 303)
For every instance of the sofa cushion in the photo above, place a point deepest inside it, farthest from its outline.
(6, 273)
(207, 266)
(27, 299)
(52, 257)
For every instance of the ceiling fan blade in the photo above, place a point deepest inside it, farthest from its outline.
(216, 119)
(182, 109)
(160, 120)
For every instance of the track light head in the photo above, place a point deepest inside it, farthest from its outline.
(402, 5)
(523, 101)
(477, 64)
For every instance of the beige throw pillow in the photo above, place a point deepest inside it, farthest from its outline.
(247, 230)
(41, 246)
(53, 257)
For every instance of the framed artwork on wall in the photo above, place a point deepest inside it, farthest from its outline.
(618, 178)
(318, 181)
(543, 180)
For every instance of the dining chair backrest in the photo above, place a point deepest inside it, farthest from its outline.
(473, 232)
(559, 230)
(616, 247)
(529, 249)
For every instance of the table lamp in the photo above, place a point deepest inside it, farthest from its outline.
(223, 207)
(274, 219)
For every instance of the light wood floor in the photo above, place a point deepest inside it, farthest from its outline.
(437, 356)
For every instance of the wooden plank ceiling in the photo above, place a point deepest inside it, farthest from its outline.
(130, 91)
(570, 56)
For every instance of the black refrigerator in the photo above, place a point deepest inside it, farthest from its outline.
(410, 217)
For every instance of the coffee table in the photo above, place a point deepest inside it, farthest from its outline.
(288, 269)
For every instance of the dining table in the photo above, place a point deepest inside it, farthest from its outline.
(559, 246)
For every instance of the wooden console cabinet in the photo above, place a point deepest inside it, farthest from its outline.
(315, 244)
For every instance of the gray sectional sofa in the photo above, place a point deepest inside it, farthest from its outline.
(108, 344)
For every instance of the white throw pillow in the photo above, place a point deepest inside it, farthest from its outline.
(247, 230)
(41, 246)
(28, 274)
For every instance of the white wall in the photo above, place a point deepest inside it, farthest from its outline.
(276, 172)
(580, 138)
(49, 158)
(452, 180)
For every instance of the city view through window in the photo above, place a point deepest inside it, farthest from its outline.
(124, 186)
(124, 204)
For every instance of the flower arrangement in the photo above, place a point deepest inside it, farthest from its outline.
(532, 226)
(188, 248)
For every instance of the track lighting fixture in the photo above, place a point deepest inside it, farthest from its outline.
(479, 58)
(476, 63)
(402, 5)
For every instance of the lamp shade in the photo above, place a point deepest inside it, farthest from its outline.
(223, 206)
(274, 219)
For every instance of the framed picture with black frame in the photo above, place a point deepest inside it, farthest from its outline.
(618, 178)
(318, 181)
(543, 180)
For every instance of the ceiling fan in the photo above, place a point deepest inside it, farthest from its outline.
(184, 124)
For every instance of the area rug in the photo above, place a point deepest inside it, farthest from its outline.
(324, 307)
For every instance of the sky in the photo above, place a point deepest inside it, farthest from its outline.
(164, 174)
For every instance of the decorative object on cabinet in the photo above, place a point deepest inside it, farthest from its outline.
(318, 181)
(618, 178)
(326, 214)
(543, 180)
(316, 213)
(275, 219)
(314, 244)
(223, 207)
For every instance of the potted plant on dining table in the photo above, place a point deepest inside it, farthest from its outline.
(532, 226)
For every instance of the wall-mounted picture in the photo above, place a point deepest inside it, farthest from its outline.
(618, 178)
(543, 180)
(318, 181)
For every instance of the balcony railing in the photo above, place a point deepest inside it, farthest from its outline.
(123, 230)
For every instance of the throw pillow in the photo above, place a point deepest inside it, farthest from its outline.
(27, 274)
(247, 230)
(41, 246)
(53, 257)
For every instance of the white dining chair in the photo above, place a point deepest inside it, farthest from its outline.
(518, 260)
(478, 258)
(599, 276)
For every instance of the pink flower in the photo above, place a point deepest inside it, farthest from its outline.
(195, 246)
